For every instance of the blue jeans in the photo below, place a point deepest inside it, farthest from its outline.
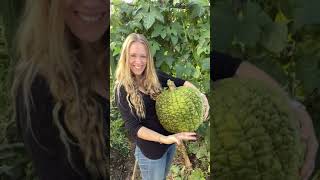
(155, 169)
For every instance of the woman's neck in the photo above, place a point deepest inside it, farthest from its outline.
(139, 80)
(90, 51)
(90, 54)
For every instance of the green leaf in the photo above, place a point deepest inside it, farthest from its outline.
(11, 146)
(308, 72)
(4, 169)
(205, 64)
(126, 9)
(176, 28)
(157, 14)
(196, 74)
(139, 17)
(281, 18)
(306, 13)
(134, 24)
(154, 47)
(197, 11)
(169, 60)
(163, 33)
(198, 7)
(275, 37)
(177, 47)
(189, 69)
(202, 3)
(159, 62)
(174, 40)
(222, 26)
(148, 21)
(196, 174)
(249, 34)
(179, 69)
(202, 152)
(136, 11)
(250, 24)
(165, 68)
(157, 30)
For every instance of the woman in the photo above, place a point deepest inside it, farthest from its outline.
(225, 66)
(137, 84)
(59, 88)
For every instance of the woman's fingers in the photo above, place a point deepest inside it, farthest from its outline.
(309, 163)
(174, 139)
(178, 142)
(179, 137)
(205, 106)
(186, 136)
(188, 133)
(308, 136)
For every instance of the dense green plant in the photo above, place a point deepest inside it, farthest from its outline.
(118, 139)
(14, 163)
(280, 37)
(4, 59)
(9, 13)
(179, 172)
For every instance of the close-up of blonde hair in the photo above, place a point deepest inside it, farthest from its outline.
(47, 48)
(125, 79)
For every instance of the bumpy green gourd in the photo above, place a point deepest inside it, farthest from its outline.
(254, 133)
(179, 109)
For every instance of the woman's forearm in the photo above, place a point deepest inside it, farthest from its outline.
(189, 84)
(149, 135)
(203, 96)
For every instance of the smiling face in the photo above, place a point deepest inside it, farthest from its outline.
(138, 57)
(87, 19)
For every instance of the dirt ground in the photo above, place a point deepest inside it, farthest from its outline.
(121, 167)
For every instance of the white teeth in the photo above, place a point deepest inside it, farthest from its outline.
(89, 19)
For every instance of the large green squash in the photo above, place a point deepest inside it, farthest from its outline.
(254, 133)
(180, 109)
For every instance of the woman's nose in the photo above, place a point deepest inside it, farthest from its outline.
(138, 60)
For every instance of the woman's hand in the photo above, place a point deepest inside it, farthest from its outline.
(205, 106)
(177, 138)
(204, 99)
(308, 137)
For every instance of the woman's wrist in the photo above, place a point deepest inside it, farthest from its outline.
(160, 139)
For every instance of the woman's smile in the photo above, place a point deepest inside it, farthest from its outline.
(90, 17)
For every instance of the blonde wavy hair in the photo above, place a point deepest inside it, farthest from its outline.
(47, 48)
(125, 78)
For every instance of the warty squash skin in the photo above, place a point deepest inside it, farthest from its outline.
(254, 133)
(180, 109)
